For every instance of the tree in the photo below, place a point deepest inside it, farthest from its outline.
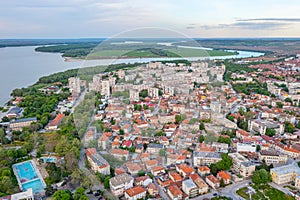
(270, 132)
(288, 127)
(62, 195)
(201, 126)
(288, 100)
(222, 184)
(106, 182)
(201, 138)
(258, 148)
(162, 152)
(79, 194)
(261, 176)
(213, 169)
(143, 93)
(141, 173)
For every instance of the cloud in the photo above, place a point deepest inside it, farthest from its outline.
(190, 27)
(270, 19)
(249, 25)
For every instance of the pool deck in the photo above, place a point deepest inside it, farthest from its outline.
(36, 170)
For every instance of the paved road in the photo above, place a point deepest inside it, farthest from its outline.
(279, 187)
(161, 192)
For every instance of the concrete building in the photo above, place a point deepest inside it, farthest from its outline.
(245, 147)
(272, 157)
(74, 85)
(205, 158)
(134, 95)
(105, 87)
(285, 174)
(97, 162)
(202, 186)
(241, 165)
(260, 126)
(190, 188)
(18, 124)
(27, 195)
(212, 181)
(120, 183)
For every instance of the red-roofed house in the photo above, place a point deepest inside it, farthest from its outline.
(136, 192)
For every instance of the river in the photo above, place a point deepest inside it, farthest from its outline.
(22, 66)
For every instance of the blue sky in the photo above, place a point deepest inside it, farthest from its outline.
(105, 18)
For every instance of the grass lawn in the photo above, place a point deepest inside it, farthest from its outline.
(264, 192)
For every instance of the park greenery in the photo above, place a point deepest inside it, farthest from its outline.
(223, 164)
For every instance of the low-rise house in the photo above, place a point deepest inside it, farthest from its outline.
(120, 183)
(184, 169)
(203, 170)
(97, 162)
(153, 189)
(54, 124)
(143, 180)
(150, 163)
(220, 147)
(212, 181)
(157, 170)
(174, 192)
(175, 176)
(135, 193)
(225, 176)
(120, 154)
(154, 148)
(133, 168)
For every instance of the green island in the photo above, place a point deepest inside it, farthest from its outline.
(92, 51)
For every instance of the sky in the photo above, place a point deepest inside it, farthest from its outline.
(107, 18)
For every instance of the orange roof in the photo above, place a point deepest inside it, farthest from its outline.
(213, 179)
(57, 120)
(223, 175)
(90, 151)
(157, 168)
(176, 176)
(291, 150)
(185, 168)
(119, 151)
(175, 191)
(151, 162)
(135, 190)
(203, 169)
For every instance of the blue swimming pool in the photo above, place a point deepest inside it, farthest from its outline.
(28, 176)
(36, 185)
(26, 171)
(49, 159)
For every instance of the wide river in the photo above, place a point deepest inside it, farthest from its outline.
(22, 66)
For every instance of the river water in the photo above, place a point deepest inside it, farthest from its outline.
(22, 66)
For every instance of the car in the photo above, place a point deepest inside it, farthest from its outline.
(97, 194)
(215, 194)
